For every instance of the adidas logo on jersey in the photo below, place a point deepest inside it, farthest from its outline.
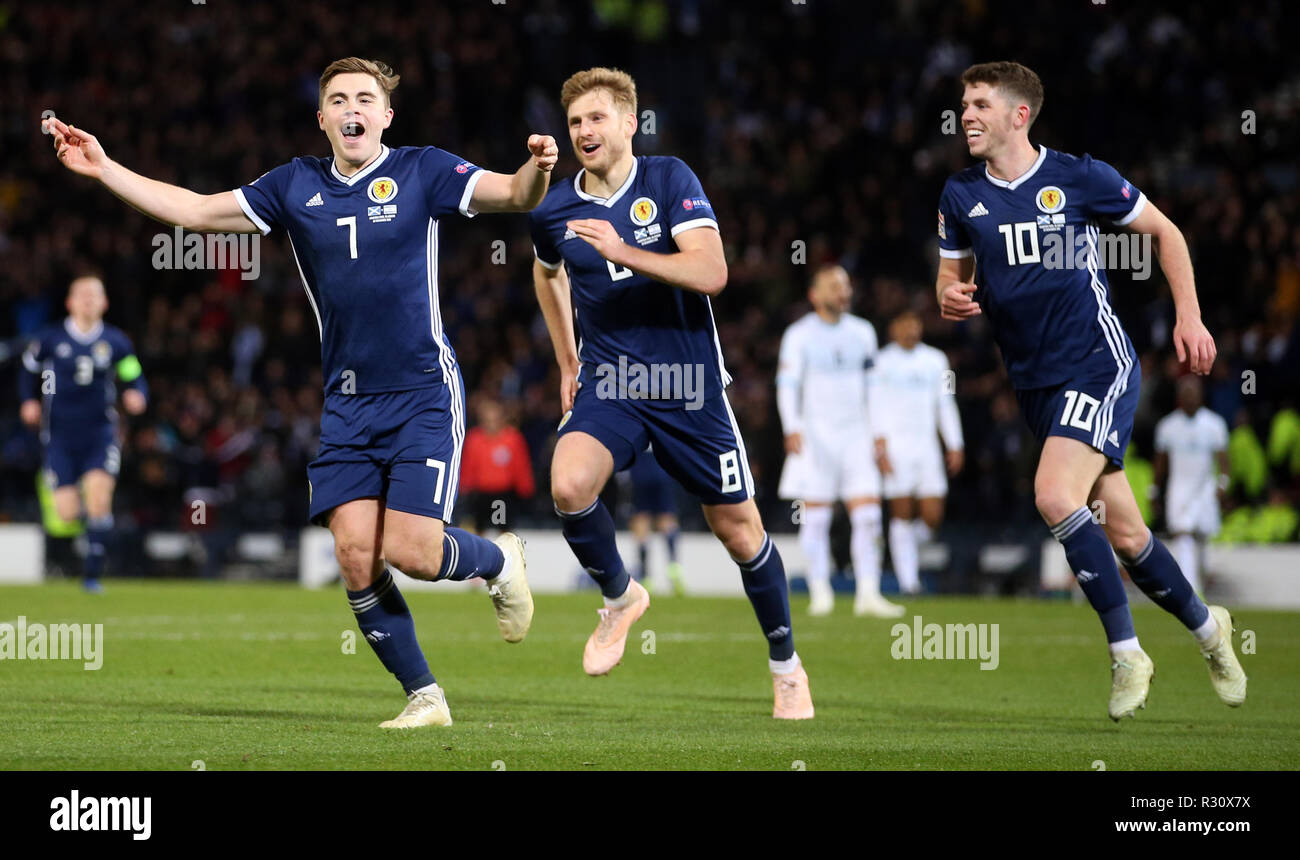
(316, 201)
(977, 211)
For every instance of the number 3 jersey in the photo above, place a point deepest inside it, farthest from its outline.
(1041, 283)
(366, 247)
(625, 319)
(75, 374)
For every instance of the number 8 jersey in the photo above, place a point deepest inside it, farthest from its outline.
(1042, 283)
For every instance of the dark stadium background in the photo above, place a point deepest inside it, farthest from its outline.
(819, 122)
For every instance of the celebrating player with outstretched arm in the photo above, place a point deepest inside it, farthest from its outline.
(68, 388)
(643, 255)
(363, 226)
(1073, 367)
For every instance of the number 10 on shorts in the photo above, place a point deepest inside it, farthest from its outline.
(1079, 410)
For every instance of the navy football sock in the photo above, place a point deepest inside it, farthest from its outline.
(99, 530)
(387, 624)
(465, 556)
(1093, 563)
(670, 538)
(590, 534)
(764, 579)
(1155, 572)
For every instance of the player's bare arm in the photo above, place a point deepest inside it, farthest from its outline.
(522, 190)
(81, 152)
(552, 287)
(698, 265)
(954, 288)
(1192, 340)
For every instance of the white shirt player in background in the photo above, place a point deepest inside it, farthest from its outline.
(911, 405)
(821, 392)
(1190, 442)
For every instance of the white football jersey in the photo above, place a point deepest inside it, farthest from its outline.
(911, 399)
(1191, 442)
(821, 381)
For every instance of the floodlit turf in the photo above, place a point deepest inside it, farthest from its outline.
(243, 677)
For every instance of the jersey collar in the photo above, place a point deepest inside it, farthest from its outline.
(1022, 178)
(613, 198)
(83, 337)
(363, 172)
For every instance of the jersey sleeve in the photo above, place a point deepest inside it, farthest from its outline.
(789, 376)
(949, 419)
(688, 208)
(127, 366)
(543, 243)
(263, 199)
(448, 181)
(1111, 196)
(1220, 433)
(1162, 436)
(954, 243)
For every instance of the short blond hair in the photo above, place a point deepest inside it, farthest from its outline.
(618, 83)
(380, 71)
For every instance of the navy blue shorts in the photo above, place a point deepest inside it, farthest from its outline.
(66, 460)
(402, 447)
(1096, 408)
(701, 448)
(652, 489)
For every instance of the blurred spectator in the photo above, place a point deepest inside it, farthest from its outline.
(496, 473)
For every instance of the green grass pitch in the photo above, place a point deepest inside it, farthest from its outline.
(254, 676)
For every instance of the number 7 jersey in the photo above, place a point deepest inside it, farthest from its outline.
(1041, 282)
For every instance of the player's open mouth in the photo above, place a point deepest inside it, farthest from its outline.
(973, 133)
(353, 131)
(590, 148)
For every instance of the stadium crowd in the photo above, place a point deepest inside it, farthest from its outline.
(818, 134)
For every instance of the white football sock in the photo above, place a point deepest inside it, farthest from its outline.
(784, 667)
(815, 541)
(865, 547)
(1124, 645)
(1185, 552)
(903, 551)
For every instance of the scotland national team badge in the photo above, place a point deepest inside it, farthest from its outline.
(101, 352)
(1050, 199)
(643, 211)
(382, 190)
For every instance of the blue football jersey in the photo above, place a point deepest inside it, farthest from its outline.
(1040, 282)
(622, 316)
(75, 374)
(366, 247)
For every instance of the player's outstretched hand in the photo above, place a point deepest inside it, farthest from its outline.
(544, 150)
(600, 235)
(133, 401)
(956, 303)
(1194, 345)
(78, 151)
(30, 412)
